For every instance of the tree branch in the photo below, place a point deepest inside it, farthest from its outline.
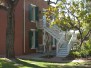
(86, 35)
(74, 17)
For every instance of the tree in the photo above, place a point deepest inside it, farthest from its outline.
(88, 5)
(71, 15)
(9, 7)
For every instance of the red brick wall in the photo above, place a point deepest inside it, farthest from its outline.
(18, 29)
(3, 22)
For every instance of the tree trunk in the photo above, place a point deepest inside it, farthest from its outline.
(10, 31)
(81, 41)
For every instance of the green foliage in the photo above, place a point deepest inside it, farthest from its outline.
(75, 54)
(86, 48)
(72, 15)
(84, 52)
(88, 5)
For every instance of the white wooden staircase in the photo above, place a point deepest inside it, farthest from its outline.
(64, 44)
(63, 48)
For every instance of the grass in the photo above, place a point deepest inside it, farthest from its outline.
(21, 63)
(6, 64)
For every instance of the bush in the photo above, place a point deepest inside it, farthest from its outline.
(89, 52)
(75, 54)
(84, 52)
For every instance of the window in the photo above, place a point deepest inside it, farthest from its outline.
(33, 13)
(33, 39)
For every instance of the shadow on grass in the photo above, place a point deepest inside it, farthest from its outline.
(24, 64)
(27, 64)
(4, 64)
(16, 63)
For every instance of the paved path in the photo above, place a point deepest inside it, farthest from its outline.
(38, 56)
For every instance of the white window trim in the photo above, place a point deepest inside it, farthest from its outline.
(33, 39)
(33, 6)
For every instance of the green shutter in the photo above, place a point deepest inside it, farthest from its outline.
(36, 39)
(30, 12)
(30, 38)
(36, 13)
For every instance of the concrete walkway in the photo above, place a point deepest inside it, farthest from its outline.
(38, 56)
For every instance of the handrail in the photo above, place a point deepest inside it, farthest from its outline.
(60, 41)
(71, 40)
(69, 44)
(50, 31)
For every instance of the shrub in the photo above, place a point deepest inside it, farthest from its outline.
(75, 54)
(84, 53)
(89, 52)
(85, 50)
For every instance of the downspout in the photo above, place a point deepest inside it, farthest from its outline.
(24, 25)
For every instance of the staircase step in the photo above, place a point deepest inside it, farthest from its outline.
(62, 54)
(62, 51)
(63, 48)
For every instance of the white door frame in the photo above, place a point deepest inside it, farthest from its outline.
(33, 38)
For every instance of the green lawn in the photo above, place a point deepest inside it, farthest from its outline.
(20, 63)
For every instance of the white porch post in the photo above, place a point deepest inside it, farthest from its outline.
(53, 42)
(33, 39)
(44, 44)
(44, 25)
(44, 21)
(57, 48)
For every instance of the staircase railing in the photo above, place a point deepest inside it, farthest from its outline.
(60, 41)
(53, 34)
(59, 35)
(71, 41)
(53, 31)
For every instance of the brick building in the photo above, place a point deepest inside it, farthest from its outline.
(28, 14)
